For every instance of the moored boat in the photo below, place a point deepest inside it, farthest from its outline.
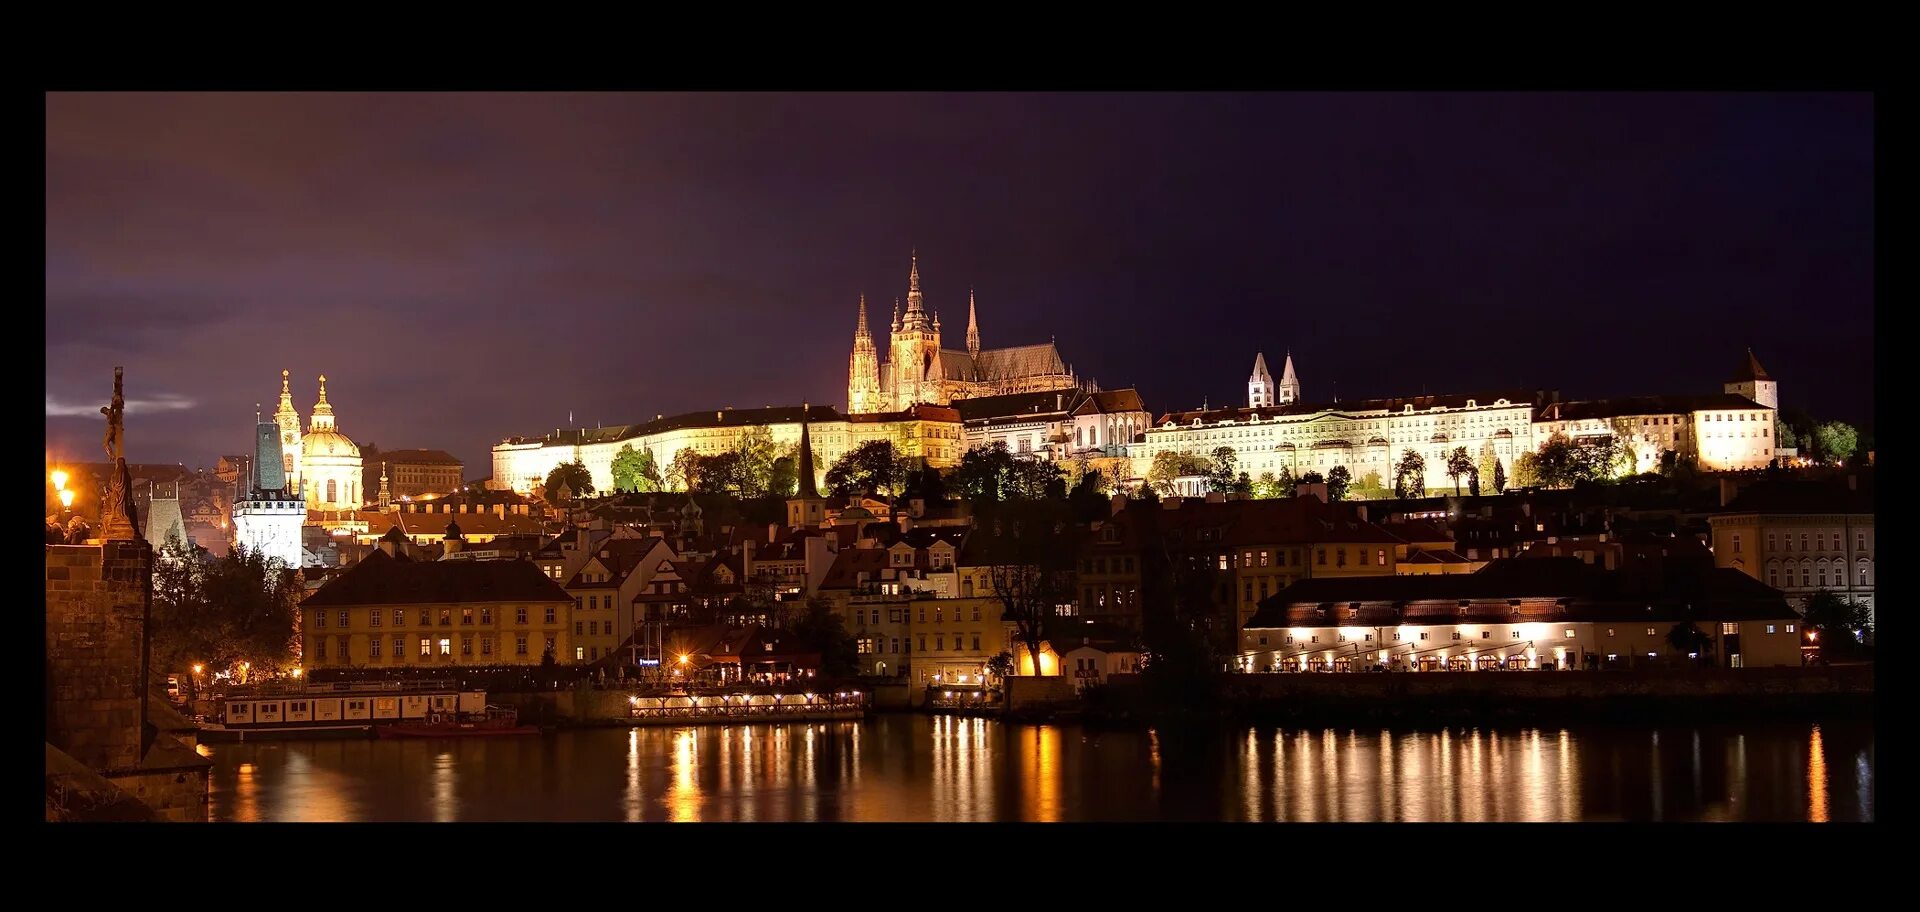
(497, 722)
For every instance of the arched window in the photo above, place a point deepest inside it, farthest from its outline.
(330, 491)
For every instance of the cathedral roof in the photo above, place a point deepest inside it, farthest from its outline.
(786, 414)
(1749, 370)
(326, 442)
(1019, 361)
(956, 365)
(1107, 402)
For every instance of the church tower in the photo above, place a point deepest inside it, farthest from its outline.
(863, 369)
(1260, 385)
(1289, 383)
(1751, 380)
(973, 329)
(916, 348)
(268, 515)
(806, 509)
(289, 421)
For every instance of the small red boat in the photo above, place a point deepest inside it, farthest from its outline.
(496, 723)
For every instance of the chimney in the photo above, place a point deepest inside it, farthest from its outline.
(773, 532)
(746, 558)
(1360, 510)
(1118, 504)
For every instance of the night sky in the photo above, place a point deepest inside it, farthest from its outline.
(468, 267)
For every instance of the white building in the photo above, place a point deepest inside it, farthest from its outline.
(267, 516)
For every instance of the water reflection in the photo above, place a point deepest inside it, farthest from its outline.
(916, 768)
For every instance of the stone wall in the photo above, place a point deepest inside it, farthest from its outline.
(96, 652)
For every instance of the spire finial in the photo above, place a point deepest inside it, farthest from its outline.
(285, 390)
(973, 326)
(323, 387)
(256, 413)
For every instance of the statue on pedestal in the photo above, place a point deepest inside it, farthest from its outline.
(117, 519)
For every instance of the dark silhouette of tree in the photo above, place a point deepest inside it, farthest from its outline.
(1687, 639)
(1312, 478)
(221, 612)
(574, 475)
(1840, 626)
(1410, 475)
(820, 629)
(1028, 547)
(1459, 464)
(784, 477)
(1339, 478)
(984, 472)
(1220, 474)
(1499, 477)
(1473, 482)
(869, 469)
(1089, 498)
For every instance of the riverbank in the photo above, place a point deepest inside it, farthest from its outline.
(1500, 697)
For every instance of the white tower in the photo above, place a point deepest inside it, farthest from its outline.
(1751, 380)
(1289, 384)
(267, 517)
(1260, 385)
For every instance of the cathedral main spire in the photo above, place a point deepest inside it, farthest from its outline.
(860, 331)
(973, 327)
(916, 302)
(1289, 382)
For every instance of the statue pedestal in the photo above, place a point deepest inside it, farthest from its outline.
(116, 509)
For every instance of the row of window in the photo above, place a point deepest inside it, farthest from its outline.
(1818, 541)
(873, 645)
(374, 617)
(343, 653)
(1777, 579)
(590, 628)
(1727, 628)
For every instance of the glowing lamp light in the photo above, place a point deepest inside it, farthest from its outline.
(59, 478)
(296, 672)
(683, 660)
(66, 499)
(196, 669)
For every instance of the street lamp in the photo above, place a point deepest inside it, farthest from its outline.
(66, 499)
(59, 479)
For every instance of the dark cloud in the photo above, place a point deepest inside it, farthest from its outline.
(468, 266)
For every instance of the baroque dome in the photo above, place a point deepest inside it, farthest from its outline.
(327, 442)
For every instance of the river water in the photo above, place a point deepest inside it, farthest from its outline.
(924, 768)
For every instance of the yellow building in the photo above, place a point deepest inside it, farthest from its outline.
(1801, 537)
(389, 611)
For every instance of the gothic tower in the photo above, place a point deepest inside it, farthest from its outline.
(1289, 383)
(1751, 380)
(916, 348)
(1260, 385)
(806, 509)
(863, 369)
(973, 328)
(289, 422)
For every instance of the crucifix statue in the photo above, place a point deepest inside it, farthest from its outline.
(117, 517)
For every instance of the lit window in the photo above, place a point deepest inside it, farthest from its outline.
(1569, 633)
(1789, 628)
(520, 644)
(1650, 631)
(1516, 634)
(1770, 628)
(446, 646)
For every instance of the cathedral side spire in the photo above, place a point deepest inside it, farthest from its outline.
(860, 331)
(1289, 382)
(1260, 384)
(322, 410)
(973, 327)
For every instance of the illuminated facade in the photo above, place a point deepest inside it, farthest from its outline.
(917, 370)
(267, 517)
(1801, 537)
(929, 432)
(329, 461)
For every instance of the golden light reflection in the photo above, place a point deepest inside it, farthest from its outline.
(1817, 778)
(1040, 772)
(635, 798)
(683, 796)
(446, 805)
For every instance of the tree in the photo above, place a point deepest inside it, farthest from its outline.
(650, 479)
(1687, 639)
(1036, 479)
(783, 479)
(1089, 498)
(984, 472)
(626, 468)
(1526, 470)
(716, 474)
(574, 475)
(1473, 482)
(868, 469)
(1243, 485)
(1370, 487)
(1835, 441)
(1784, 435)
(1266, 486)
(820, 629)
(1000, 666)
(1029, 547)
(927, 484)
(1220, 474)
(220, 613)
(1312, 478)
(1169, 465)
(1499, 477)
(1459, 464)
(1410, 475)
(1339, 478)
(754, 454)
(1839, 626)
(684, 472)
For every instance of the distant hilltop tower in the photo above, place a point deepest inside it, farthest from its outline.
(1751, 380)
(1289, 383)
(1260, 385)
